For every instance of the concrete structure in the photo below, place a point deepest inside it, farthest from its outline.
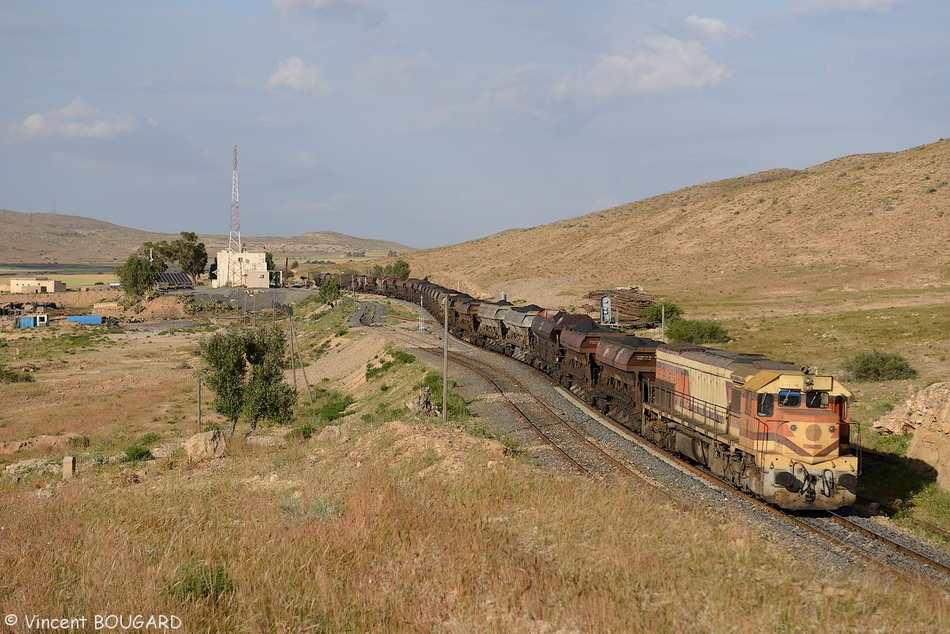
(36, 285)
(248, 270)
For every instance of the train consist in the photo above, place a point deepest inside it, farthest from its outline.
(768, 427)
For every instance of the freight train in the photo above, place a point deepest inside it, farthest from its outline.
(768, 427)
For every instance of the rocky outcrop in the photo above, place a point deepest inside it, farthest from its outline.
(209, 444)
(927, 416)
(925, 408)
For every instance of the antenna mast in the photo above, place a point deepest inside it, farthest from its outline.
(235, 261)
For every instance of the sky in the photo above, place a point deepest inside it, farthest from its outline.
(435, 122)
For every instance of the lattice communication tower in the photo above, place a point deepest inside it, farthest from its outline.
(236, 259)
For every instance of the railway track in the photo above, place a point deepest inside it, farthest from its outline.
(905, 558)
(556, 432)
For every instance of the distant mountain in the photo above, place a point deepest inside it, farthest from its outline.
(44, 237)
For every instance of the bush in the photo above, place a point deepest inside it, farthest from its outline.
(328, 405)
(696, 331)
(456, 404)
(398, 357)
(654, 314)
(879, 366)
(201, 581)
(136, 453)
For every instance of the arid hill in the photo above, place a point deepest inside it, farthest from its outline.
(861, 223)
(42, 237)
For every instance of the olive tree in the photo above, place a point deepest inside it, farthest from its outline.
(245, 370)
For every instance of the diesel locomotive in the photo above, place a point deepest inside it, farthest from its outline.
(768, 427)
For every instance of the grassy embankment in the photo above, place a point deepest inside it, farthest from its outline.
(396, 526)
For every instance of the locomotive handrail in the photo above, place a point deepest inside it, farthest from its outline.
(704, 410)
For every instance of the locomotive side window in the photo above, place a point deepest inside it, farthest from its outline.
(766, 405)
(789, 398)
(816, 400)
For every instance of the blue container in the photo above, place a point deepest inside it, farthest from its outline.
(89, 320)
(26, 322)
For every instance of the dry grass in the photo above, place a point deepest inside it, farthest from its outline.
(353, 538)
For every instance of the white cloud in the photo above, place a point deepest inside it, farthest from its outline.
(666, 65)
(838, 6)
(392, 72)
(350, 10)
(294, 74)
(715, 29)
(76, 120)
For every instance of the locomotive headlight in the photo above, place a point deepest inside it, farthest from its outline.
(793, 427)
(832, 428)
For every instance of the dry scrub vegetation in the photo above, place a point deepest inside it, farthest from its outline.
(374, 536)
(390, 524)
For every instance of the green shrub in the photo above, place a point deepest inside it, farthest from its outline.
(196, 581)
(136, 453)
(456, 404)
(879, 366)
(696, 331)
(654, 314)
(304, 431)
(398, 358)
(327, 406)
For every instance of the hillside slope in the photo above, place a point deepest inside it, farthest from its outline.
(853, 224)
(42, 237)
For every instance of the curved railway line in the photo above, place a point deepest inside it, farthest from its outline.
(900, 555)
(556, 432)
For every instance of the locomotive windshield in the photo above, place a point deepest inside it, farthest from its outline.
(816, 400)
(793, 398)
(789, 398)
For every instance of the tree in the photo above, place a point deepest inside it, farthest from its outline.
(269, 259)
(158, 253)
(186, 251)
(137, 275)
(329, 290)
(191, 255)
(245, 370)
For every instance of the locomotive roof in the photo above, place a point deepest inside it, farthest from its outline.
(757, 372)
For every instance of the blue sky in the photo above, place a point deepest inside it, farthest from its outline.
(433, 122)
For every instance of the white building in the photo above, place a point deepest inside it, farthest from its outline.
(243, 269)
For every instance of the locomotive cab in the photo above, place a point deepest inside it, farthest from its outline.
(798, 425)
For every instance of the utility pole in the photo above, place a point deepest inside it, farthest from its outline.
(445, 363)
(199, 404)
